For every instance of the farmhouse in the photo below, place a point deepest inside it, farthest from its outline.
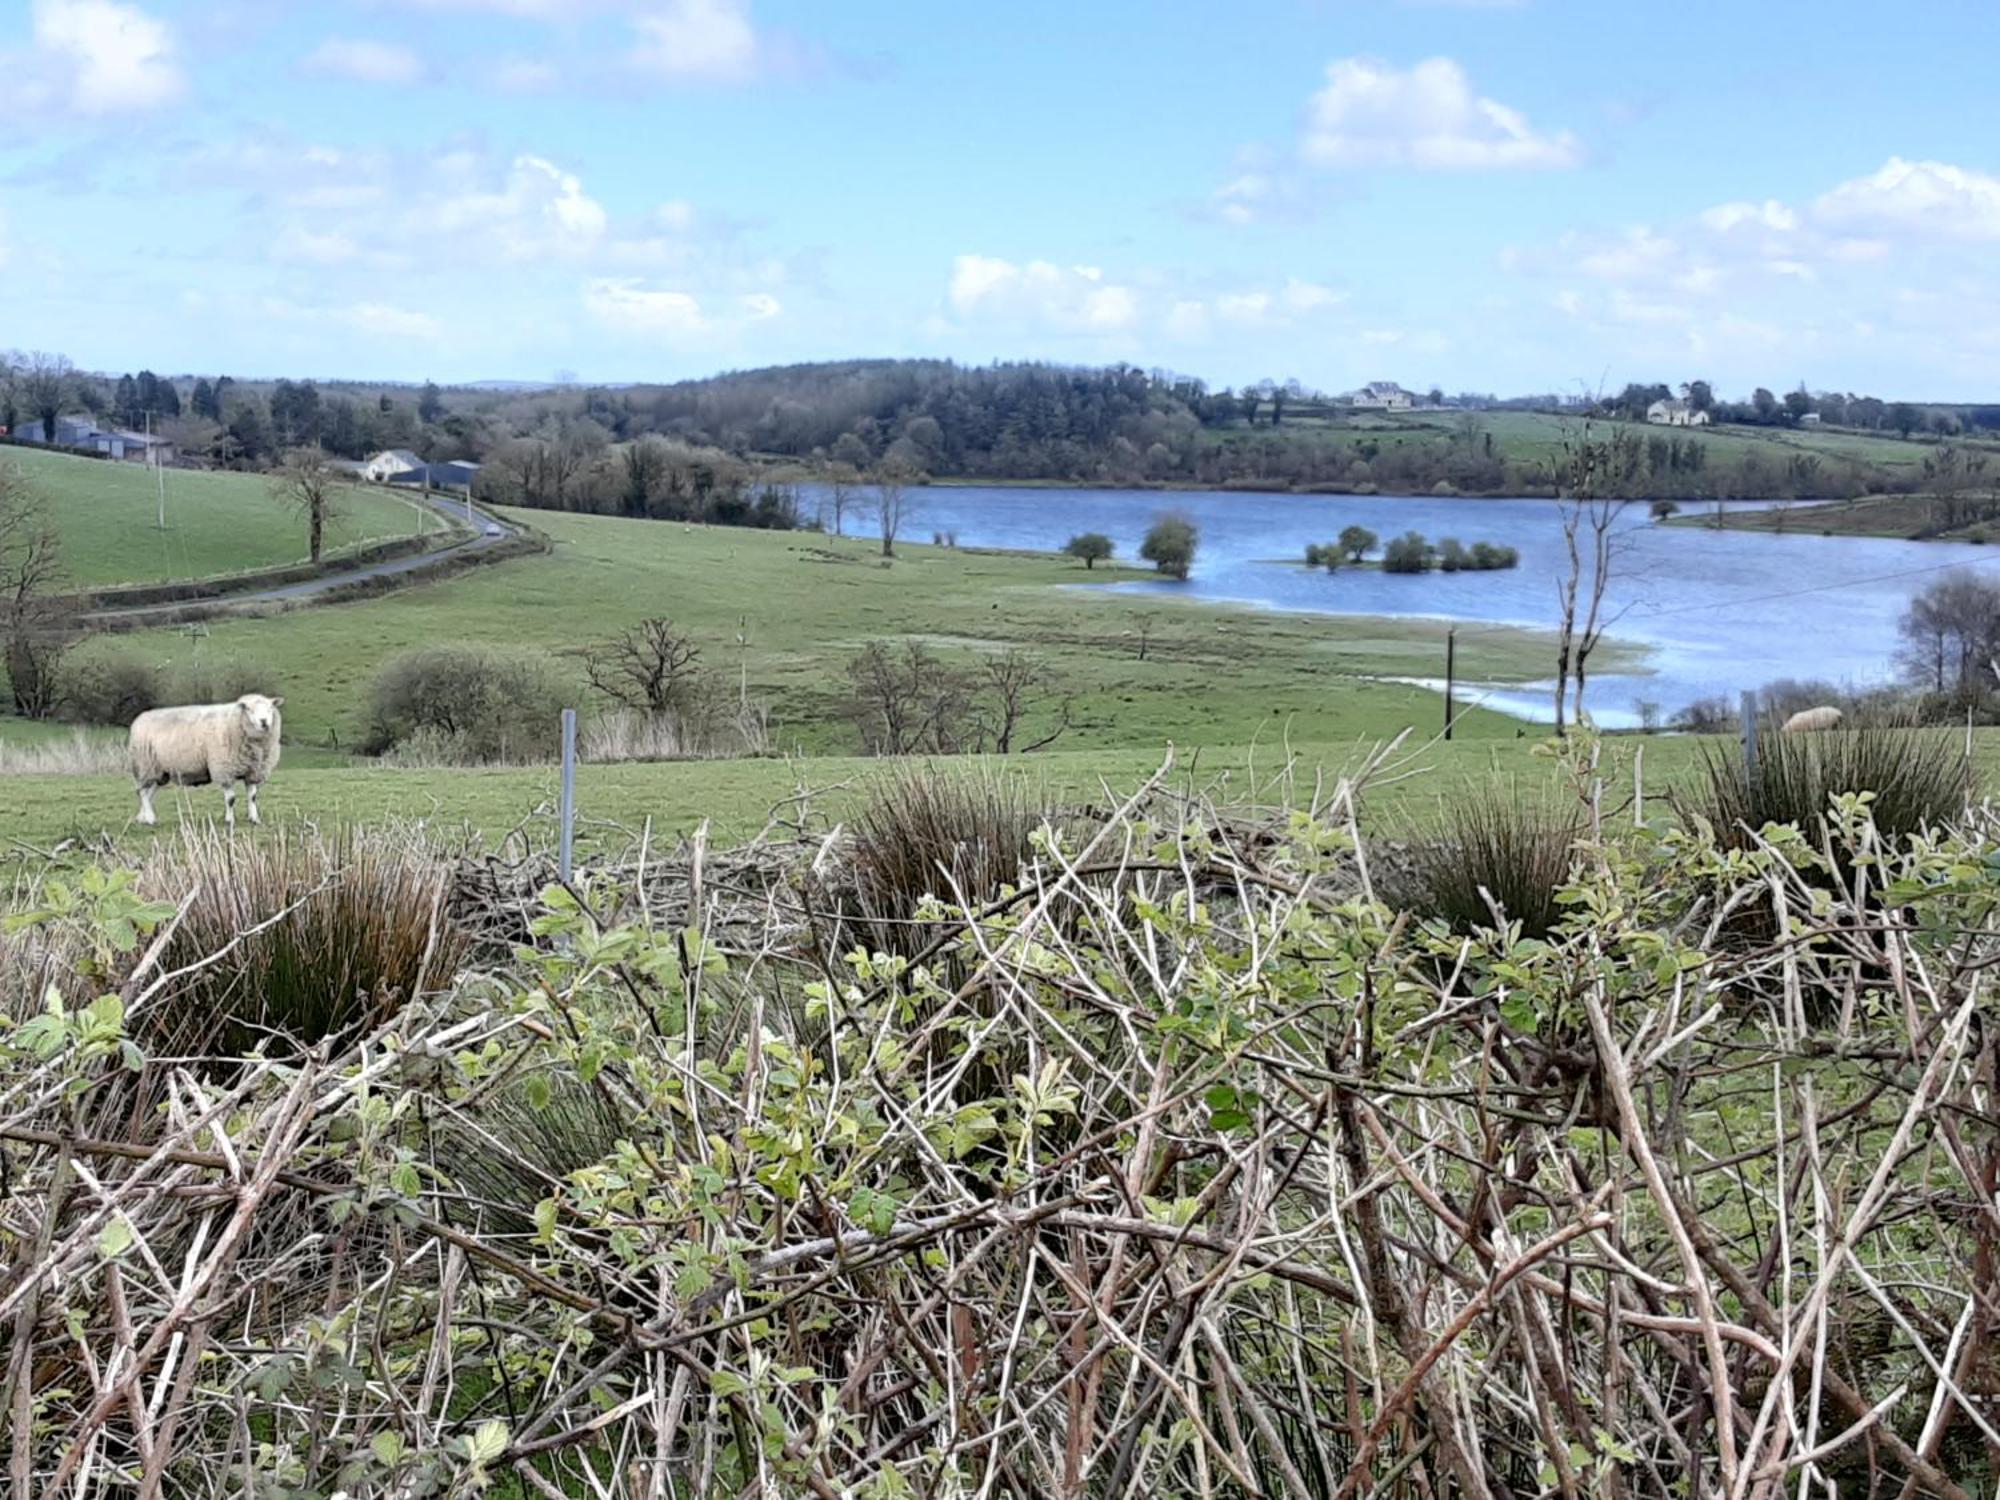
(390, 462)
(82, 432)
(1380, 395)
(1675, 414)
(1809, 419)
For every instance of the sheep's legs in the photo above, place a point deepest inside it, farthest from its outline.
(146, 814)
(229, 805)
(253, 802)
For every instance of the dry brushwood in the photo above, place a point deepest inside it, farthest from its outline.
(1193, 1172)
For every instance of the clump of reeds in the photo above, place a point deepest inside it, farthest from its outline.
(1919, 778)
(1491, 859)
(79, 753)
(292, 932)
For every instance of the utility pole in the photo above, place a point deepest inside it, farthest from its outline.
(1450, 674)
(566, 848)
(159, 471)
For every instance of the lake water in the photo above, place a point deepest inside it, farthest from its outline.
(1720, 611)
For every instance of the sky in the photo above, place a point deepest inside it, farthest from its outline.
(1488, 195)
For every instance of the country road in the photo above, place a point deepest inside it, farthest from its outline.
(489, 531)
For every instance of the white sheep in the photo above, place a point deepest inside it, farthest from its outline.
(1826, 716)
(203, 742)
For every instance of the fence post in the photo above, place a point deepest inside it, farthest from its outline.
(1450, 673)
(565, 860)
(1748, 710)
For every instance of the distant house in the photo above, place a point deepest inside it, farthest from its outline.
(1809, 419)
(1381, 395)
(387, 464)
(456, 475)
(81, 431)
(1675, 414)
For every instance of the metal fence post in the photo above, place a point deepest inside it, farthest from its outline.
(1748, 710)
(565, 860)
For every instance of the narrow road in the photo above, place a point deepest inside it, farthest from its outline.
(488, 532)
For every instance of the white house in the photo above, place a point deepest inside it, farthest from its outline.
(1809, 419)
(1675, 414)
(387, 464)
(1381, 395)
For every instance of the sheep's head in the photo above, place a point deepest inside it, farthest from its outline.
(260, 714)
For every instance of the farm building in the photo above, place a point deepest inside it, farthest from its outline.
(389, 463)
(1675, 414)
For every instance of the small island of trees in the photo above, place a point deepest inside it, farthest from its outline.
(1411, 552)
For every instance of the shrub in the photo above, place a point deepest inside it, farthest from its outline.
(114, 690)
(1919, 778)
(1452, 556)
(1315, 554)
(1408, 553)
(1489, 556)
(1490, 851)
(1090, 547)
(487, 705)
(707, 731)
(296, 933)
(1170, 545)
(1712, 715)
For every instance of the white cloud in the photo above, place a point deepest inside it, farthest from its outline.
(1073, 299)
(520, 75)
(99, 57)
(1770, 214)
(710, 41)
(390, 322)
(1917, 199)
(630, 305)
(538, 211)
(1042, 298)
(1370, 114)
(366, 61)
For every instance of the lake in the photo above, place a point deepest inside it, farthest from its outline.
(1720, 611)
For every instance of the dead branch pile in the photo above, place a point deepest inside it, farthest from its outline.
(1171, 1164)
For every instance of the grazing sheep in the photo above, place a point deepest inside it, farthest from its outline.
(203, 742)
(1826, 716)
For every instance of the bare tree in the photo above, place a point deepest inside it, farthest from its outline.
(1593, 542)
(1014, 685)
(648, 666)
(46, 383)
(309, 481)
(841, 483)
(906, 701)
(893, 505)
(39, 626)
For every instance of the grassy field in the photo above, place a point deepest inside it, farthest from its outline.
(785, 612)
(738, 797)
(107, 514)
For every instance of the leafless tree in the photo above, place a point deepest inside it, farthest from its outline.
(1013, 686)
(909, 702)
(648, 666)
(893, 505)
(47, 383)
(841, 483)
(310, 482)
(39, 626)
(1593, 543)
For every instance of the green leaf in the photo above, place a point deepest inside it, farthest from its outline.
(545, 1220)
(488, 1442)
(388, 1447)
(404, 1180)
(114, 1239)
(537, 1089)
(727, 1383)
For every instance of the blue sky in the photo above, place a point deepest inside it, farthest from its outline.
(1539, 195)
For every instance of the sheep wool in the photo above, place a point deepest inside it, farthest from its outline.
(1826, 716)
(199, 743)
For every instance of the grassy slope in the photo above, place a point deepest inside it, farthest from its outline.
(801, 605)
(216, 522)
(1908, 516)
(1538, 436)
